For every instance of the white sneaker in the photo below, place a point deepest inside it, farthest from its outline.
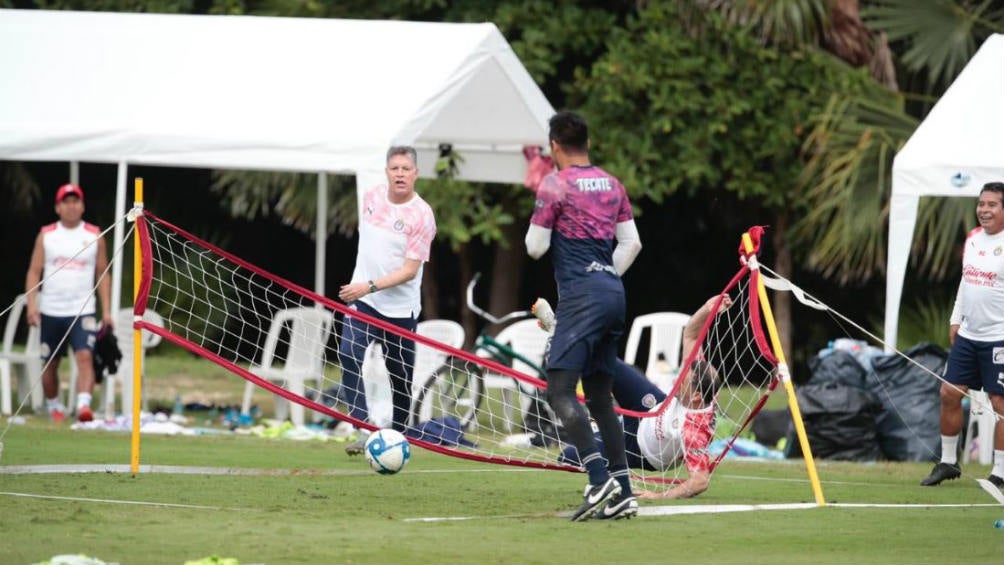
(342, 430)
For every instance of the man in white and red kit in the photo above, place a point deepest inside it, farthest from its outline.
(69, 255)
(976, 331)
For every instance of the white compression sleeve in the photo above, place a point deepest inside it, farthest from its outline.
(538, 241)
(628, 246)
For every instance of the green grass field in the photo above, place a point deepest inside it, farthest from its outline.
(289, 502)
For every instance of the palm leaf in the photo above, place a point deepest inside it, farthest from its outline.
(925, 320)
(22, 187)
(939, 36)
(846, 185)
(942, 223)
(289, 196)
(789, 23)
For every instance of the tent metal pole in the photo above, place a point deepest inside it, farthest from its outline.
(321, 233)
(119, 235)
(75, 173)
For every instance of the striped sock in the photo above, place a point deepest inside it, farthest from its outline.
(623, 477)
(597, 468)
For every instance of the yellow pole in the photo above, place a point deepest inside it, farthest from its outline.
(783, 372)
(137, 337)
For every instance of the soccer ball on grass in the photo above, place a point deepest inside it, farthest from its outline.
(387, 451)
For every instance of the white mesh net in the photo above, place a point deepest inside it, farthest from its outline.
(288, 340)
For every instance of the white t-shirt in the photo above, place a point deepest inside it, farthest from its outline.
(979, 304)
(71, 256)
(388, 235)
(677, 435)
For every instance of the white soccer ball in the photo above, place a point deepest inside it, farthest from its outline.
(387, 451)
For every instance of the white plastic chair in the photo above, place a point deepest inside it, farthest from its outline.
(308, 330)
(982, 424)
(27, 363)
(380, 407)
(527, 339)
(427, 359)
(664, 345)
(124, 337)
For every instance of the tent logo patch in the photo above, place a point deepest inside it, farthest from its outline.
(960, 179)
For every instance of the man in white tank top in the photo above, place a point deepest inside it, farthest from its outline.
(67, 258)
(396, 229)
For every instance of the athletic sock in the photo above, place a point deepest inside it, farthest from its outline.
(623, 477)
(596, 467)
(53, 404)
(949, 449)
(998, 469)
(83, 399)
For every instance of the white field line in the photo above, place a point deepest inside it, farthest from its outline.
(703, 509)
(110, 501)
(186, 470)
(643, 511)
(190, 470)
(168, 469)
(663, 510)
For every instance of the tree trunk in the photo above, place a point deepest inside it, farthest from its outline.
(781, 301)
(467, 318)
(430, 290)
(507, 274)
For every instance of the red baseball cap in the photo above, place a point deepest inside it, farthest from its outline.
(69, 190)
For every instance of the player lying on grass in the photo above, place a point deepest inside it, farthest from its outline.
(682, 433)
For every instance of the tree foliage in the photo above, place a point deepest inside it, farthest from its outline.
(709, 110)
(849, 178)
(935, 38)
(465, 211)
(290, 196)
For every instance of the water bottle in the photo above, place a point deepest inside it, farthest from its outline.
(178, 406)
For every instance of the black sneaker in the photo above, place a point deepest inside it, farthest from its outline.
(941, 472)
(996, 481)
(624, 506)
(595, 497)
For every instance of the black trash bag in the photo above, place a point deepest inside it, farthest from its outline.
(106, 354)
(771, 425)
(840, 422)
(839, 367)
(908, 426)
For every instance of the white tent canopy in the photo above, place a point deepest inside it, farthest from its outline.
(954, 152)
(261, 93)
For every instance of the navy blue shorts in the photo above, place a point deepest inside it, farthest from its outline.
(633, 391)
(586, 334)
(978, 365)
(82, 334)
